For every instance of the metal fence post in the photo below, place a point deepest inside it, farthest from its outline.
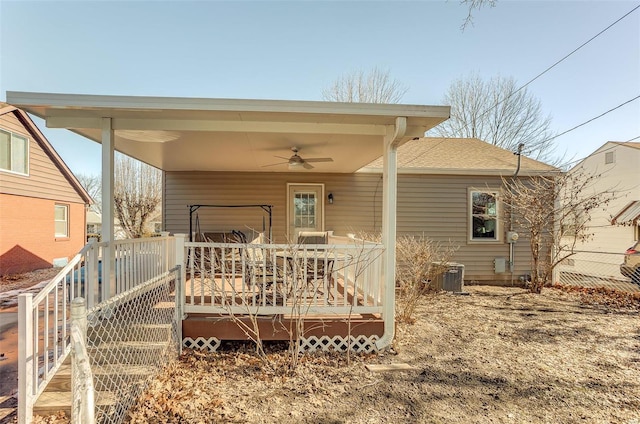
(90, 273)
(25, 358)
(84, 412)
(179, 305)
(180, 240)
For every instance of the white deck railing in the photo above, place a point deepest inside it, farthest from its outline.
(248, 278)
(44, 319)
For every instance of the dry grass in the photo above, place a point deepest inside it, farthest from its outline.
(498, 355)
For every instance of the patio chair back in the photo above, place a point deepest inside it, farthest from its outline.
(313, 237)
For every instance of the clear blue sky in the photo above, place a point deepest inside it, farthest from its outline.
(292, 50)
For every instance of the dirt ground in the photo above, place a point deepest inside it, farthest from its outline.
(496, 355)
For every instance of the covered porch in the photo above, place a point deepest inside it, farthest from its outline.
(338, 294)
(194, 135)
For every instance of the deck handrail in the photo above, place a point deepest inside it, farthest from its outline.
(39, 360)
(44, 318)
(326, 278)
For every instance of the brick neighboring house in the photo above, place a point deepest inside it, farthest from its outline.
(42, 204)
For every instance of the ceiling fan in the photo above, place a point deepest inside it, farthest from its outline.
(295, 161)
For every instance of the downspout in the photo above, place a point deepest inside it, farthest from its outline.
(389, 205)
(511, 250)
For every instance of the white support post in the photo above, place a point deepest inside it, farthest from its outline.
(166, 266)
(108, 255)
(25, 358)
(389, 202)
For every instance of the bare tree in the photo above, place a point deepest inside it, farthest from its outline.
(497, 112)
(137, 194)
(92, 184)
(375, 86)
(555, 212)
(474, 5)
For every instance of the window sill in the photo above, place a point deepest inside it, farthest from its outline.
(62, 239)
(489, 241)
(16, 173)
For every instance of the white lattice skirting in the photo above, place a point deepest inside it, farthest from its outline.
(360, 344)
(211, 344)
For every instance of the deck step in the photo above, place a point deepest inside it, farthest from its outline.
(50, 403)
(127, 352)
(113, 332)
(62, 380)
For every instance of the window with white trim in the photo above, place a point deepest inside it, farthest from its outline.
(484, 223)
(61, 221)
(14, 152)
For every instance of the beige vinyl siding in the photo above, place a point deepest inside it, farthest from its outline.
(433, 205)
(352, 209)
(44, 179)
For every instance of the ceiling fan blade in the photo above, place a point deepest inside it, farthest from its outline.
(281, 157)
(318, 160)
(274, 164)
(307, 165)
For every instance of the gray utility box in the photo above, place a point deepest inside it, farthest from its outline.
(452, 279)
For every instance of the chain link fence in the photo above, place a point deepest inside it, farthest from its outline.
(595, 269)
(129, 339)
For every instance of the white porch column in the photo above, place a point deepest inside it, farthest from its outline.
(389, 202)
(108, 254)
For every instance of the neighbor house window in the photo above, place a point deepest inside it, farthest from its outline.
(484, 215)
(62, 220)
(14, 152)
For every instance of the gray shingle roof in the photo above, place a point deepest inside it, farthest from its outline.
(459, 156)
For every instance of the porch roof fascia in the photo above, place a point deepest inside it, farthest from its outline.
(348, 131)
(38, 103)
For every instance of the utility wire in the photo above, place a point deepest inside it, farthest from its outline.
(553, 66)
(592, 119)
(567, 56)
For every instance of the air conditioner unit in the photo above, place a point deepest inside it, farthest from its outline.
(452, 279)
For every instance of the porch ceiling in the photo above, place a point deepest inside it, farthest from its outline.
(190, 134)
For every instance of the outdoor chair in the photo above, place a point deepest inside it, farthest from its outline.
(315, 258)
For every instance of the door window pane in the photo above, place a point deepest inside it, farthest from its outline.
(304, 209)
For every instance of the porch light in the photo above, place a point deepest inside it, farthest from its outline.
(330, 197)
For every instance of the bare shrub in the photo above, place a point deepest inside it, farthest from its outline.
(555, 212)
(419, 262)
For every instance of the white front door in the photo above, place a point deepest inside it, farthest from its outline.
(305, 207)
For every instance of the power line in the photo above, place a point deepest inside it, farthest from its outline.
(592, 119)
(572, 52)
(615, 145)
(554, 65)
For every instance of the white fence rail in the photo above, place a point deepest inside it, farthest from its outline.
(44, 319)
(241, 278)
